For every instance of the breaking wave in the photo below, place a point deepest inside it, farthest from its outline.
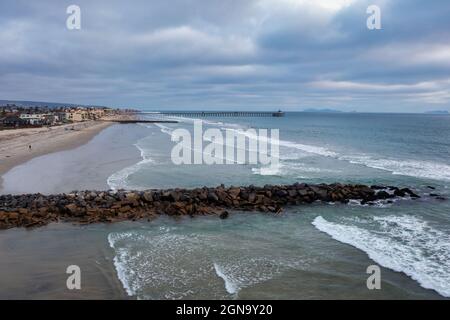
(119, 179)
(413, 168)
(402, 243)
(167, 263)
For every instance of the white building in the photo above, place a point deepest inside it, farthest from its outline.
(33, 119)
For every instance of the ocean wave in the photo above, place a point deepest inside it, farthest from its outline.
(119, 179)
(149, 266)
(240, 130)
(285, 168)
(289, 144)
(164, 129)
(268, 171)
(412, 168)
(223, 159)
(241, 273)
(381, 203)
(164, 263)
(120, 256)
(230, 286)
(402, 243)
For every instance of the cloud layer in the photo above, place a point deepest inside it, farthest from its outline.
(234, 54)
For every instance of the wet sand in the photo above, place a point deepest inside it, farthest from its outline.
(87, 166)
(33, 263)
(14, 144)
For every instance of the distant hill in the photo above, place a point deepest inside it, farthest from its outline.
(322, 110)
(22, 103)
(437, 112)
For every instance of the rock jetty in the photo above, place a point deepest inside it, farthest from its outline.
(32, 210)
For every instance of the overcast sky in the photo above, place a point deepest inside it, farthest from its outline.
(229, 54)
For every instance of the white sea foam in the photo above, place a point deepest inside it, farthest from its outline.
(413, 168)
(164, 129)
(241, 273)
(238, 129)
(230, 286)
(268, 171)
(147, 265)
(286, 168)
(119, 179)
(170, 263)
(289, 144)
(402, 243)
(119, 258)
(381, 203)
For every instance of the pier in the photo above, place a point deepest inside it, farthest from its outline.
(126, 121)
(202, 114)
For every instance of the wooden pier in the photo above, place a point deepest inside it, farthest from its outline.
(202, 114)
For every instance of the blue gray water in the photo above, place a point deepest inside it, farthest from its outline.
(402, 150)
(316, 251)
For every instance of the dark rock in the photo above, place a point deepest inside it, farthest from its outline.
(410, 192)
(302, 192)
(224, 215)
(292, 193)
(399, 193)
(281, 193)
(212, 196)
(175, 195)
(96, 206)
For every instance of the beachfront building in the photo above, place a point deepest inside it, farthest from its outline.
(84, 114)
(45, 116)
(95, 114)
(77, 115)
(59, 117)
(12, 121)
(32, 119)
(40, 119)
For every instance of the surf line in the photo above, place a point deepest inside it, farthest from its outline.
(187, 310)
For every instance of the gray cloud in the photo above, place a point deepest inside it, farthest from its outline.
(264, 54)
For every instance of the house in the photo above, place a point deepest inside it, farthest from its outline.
(60, 116)
(95, 114)
(77, 115)
(33, 119)
(12, 121)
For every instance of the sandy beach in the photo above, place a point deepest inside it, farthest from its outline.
(14, 144)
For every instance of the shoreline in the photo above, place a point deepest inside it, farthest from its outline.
(14, 148)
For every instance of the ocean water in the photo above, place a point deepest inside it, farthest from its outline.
(254, 256)
(309, 252)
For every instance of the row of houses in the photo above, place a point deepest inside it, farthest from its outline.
(35, 117)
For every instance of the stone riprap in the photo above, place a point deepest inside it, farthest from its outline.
(31, 210)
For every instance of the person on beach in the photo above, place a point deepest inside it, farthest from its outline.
(29, 147)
